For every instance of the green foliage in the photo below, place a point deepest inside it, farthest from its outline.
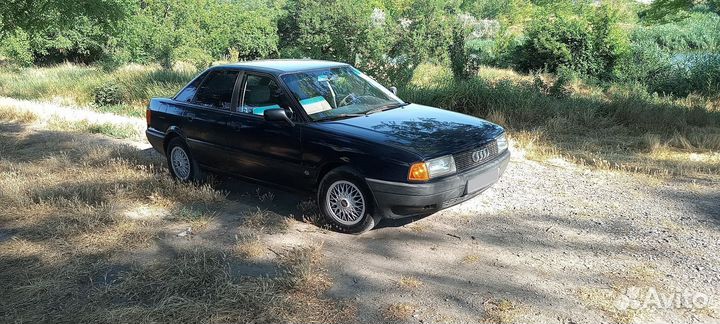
(62, 30)
(388, 39)
(16, 47)
(590, 42)
(664, 11)
(108, 94)
(699, 31)
(645, 60)
(689, 73)
(121, 31)
(461, 64)
(199, 32)
(76, 85)
(525, 106)
(675, 58)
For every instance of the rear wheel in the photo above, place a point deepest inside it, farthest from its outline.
(181, 164)
(345, 201)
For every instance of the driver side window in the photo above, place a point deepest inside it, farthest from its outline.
(260, 93)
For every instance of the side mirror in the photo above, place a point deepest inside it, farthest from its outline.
(393, 90)
(277, 115)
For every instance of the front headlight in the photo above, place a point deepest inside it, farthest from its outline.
(423, 171)
(441, 166)
(502, 143)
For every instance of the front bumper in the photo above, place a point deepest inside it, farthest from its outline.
(398, 200)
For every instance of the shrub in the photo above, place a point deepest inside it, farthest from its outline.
(482, 51)
(108, 94)
(565, 78)
(590, 43)
(688, 73)
(645, 60)
(460, 60)
(675, 58)
(16, 47)
(699, 31)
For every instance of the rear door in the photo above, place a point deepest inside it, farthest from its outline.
(270, 151)
(206, 118)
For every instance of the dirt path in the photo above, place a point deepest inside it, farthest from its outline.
(547, 244)
(48, 110)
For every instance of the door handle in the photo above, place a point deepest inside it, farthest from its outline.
(190, 117)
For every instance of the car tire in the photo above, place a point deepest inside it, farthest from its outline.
(346, 202)
(180, 162)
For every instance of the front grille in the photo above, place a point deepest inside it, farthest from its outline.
(464, 160)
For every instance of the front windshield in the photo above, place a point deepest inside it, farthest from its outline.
(338, 92)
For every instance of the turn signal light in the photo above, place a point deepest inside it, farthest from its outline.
(418, 172)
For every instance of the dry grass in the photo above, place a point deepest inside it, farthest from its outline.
(266, 221)
(649, 154)
(471, 259)
(399, 311)
(409, 282)
(500, 311)
(419, 227)
(250, 247)
(307, 281)
(604, 299)
(304, 263)
(87, 235)
(14, 115)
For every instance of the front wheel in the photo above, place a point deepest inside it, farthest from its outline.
(345, 202)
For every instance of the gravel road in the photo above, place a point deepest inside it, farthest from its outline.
(547, 244)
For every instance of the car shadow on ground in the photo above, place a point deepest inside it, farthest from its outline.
(296, 205)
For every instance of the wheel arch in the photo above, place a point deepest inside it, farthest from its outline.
(328, 167)
(173, 132)
(325, 169)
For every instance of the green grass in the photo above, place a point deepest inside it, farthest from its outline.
(120, 131)
(76, 84)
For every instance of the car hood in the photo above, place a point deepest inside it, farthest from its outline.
(426, 131)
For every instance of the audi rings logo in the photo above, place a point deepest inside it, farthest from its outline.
(480, 155)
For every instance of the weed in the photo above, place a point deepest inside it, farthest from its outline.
(409, 282)
(399, 311)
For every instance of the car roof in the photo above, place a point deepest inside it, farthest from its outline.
(281, 66)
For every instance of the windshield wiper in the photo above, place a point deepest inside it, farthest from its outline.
(386, 107)
(341, 116)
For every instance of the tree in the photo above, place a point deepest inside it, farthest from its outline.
(590, 43)
(52, 30)
(674, 10)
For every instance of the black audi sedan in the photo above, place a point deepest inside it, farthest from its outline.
(327, 128)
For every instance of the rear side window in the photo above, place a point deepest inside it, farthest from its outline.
(187, 94)
(217, 89)
(261, 93)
